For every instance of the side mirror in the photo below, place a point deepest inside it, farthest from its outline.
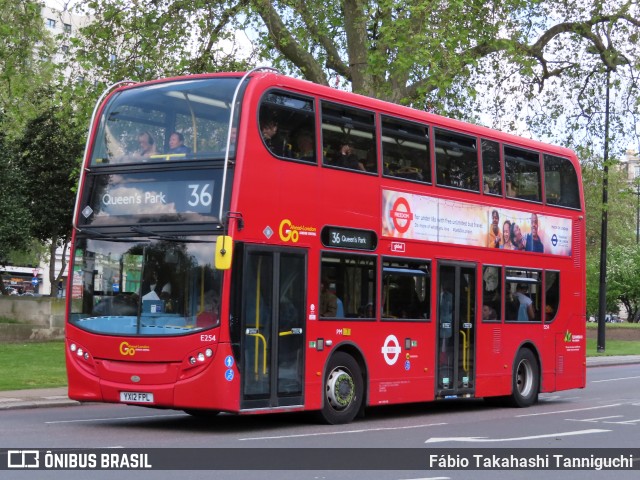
(224, 252)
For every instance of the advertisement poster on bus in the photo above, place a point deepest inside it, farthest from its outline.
(418, 217)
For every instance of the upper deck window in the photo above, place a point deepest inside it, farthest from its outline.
(561, 182)
(167, 121)
(456, 160)
(287, 126)
(522, 173)
(348, 138)
(491, 170)
(405, 150)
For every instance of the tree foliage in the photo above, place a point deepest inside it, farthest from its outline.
(623, 281)
(513, 64)
(14, 216)
(621, 206)
(146, 39)
(49, 153)
(24, 60)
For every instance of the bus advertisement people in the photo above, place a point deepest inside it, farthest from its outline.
(533, 243)
(517, 239)
(506, 236)
(493, 238)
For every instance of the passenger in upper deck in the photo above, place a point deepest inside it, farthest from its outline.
(304, 148)
(268, 129)
(347, 159)
(147, 145)
(176, 144)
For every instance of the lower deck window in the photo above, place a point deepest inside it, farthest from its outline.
(406, 289)
(523, 299)
(347, 286)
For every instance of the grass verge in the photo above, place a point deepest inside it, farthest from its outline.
(612, 347)
(32, 365)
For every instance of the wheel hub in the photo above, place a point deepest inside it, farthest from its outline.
(340, 389)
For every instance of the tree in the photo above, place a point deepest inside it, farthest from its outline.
(623, 280)
(14, 217)
(621, 226)
(24, 60)
(621, 206)
(147, 39)
(50, 151)
(528, 56)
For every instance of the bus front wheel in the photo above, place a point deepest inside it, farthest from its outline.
(343, 389)
(526, 379)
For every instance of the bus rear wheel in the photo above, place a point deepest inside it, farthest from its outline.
(526, 379)
(343, 389)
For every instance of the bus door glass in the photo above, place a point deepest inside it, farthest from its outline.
(456, 330)
(272, 339)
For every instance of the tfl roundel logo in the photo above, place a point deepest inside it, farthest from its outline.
(401, 215)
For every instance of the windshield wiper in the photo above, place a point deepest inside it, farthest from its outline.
(95, 233)
(168, 238)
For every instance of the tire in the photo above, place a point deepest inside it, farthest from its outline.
(526, 379)
(343, 390)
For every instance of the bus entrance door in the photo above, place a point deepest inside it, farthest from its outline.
(455, 340)
(272, 333)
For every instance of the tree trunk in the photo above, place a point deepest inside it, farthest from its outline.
(53, 277)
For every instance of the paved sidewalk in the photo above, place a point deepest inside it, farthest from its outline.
(33, 398)
(57, 397)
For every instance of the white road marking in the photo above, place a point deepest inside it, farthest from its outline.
(614, 379)
(593, 419)
(626, 422)
(116, 418)
(513, 439)
(568, 411)
(364, 430)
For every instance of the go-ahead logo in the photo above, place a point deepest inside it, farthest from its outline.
(130, 350)
(291, 233)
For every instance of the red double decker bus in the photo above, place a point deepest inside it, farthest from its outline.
(253, 243)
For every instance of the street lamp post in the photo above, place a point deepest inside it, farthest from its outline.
(603, 231)
(637, 210)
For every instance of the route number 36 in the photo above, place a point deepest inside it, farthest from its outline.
(200, 195)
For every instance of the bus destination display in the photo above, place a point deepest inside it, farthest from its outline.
(157, 198)
(349, 238)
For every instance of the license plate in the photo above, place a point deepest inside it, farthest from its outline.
(136, 397)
